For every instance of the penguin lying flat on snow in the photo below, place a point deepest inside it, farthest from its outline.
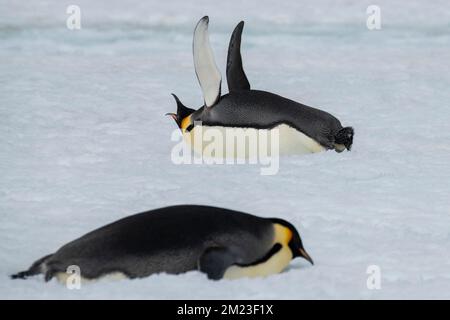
(219, 242)
(302, 129)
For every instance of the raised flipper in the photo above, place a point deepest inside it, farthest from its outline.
(208, 74)
(215, 261)
(236, 78)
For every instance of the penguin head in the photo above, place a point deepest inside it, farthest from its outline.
(294, 241)
(182, 114)
(344, 137)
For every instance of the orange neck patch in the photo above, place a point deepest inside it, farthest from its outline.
(282, 234)
(186, 122)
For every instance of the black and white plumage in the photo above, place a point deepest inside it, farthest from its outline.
(309, 128)
(219, 242)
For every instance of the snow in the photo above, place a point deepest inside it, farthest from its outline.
(84, 140)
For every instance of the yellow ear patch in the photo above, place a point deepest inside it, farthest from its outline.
(275, 264)
(186, 122)
(282, 234)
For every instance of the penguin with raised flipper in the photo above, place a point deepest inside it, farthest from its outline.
(219, 242)
(302, 129)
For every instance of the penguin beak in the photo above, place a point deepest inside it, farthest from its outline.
(305, 255)
(174, 117)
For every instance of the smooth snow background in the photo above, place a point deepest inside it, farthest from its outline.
(83, 139)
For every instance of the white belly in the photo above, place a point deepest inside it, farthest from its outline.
(64, 277)
(277, 263)
(231, 142)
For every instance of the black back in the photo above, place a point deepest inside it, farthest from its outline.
(265, 110)
(169, 239)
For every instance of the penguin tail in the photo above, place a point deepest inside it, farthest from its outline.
(345, 137)
(35, 269)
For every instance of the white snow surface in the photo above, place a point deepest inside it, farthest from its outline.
(84, 140)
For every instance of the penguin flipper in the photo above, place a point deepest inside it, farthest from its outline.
(208, 74)
(236, 78)
(215, 261)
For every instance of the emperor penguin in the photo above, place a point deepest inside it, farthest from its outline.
(221, 243)
(302, 129)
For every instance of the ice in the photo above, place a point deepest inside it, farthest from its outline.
(84, 140)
